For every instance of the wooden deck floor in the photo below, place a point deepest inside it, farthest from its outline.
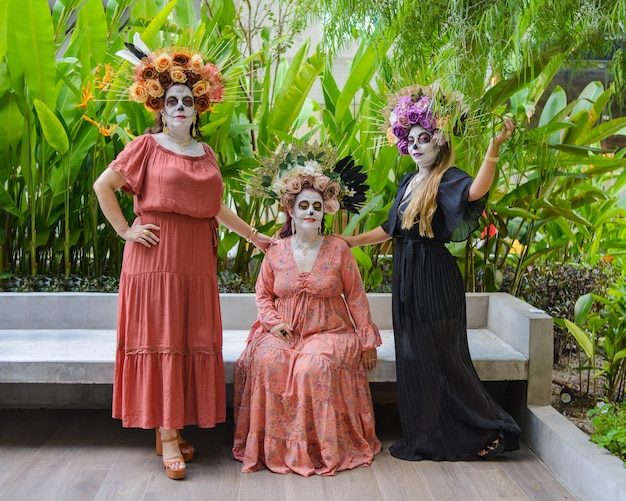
(85, 455)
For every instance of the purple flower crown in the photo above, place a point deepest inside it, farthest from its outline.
(416, 105)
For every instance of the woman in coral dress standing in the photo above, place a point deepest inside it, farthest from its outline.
(169, 371)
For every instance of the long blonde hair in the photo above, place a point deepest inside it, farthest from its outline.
(423, 203)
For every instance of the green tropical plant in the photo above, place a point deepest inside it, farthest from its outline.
(608, 420)
(551, 183)
(601, 334)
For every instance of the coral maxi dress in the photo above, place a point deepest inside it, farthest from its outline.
(169, 370)
(306, 407)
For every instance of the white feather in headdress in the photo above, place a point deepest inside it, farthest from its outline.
(136, 50)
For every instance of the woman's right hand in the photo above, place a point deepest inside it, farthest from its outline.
(142, 234)
(349, 239)
(282, 331)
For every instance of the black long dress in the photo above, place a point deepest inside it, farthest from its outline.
(445, 411)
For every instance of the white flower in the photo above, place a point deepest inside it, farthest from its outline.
(312, 168)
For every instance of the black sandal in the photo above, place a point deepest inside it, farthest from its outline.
(494, 449)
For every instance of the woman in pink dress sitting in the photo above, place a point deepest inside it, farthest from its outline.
(302, 400)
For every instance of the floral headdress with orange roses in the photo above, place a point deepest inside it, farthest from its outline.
(156, 71)
(427, 107)
(296, 167)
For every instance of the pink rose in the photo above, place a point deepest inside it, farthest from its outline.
(332, 191)
(293, 185)
(307, 181)
(331, 206)
(288, 200)
(320, 183)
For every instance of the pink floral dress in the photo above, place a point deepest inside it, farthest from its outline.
(306, 407)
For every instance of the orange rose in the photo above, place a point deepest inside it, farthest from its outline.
(200, 88)
(147, 72)
(180, 58)
(163, 62)
(192, 78)
(165, 80)
(178, 75)
(154, 104)
(154, 88)
(195, 63)
(202, 104)
(138, 92)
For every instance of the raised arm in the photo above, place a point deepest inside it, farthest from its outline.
(484, 178)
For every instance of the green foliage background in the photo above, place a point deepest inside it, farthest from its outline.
(557, 196)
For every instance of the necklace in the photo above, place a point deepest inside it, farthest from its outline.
(181, 144)
(305, 247)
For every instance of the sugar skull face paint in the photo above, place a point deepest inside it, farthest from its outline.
(308, 211)
(179, 103)
(422, 148)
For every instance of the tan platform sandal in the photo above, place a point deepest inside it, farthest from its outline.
(186, 449)
(169, 463)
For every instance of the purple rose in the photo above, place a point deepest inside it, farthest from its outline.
(404, 102)
(428, 122)
(400, 132)
(423, 103)
(403, 146)
(413, 116)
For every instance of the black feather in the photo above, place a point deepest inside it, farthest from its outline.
(139, 54)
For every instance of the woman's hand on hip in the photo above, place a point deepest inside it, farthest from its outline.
(142, 234)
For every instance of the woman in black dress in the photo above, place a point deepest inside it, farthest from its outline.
(445, 412)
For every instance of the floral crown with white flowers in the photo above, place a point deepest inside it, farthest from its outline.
(156, 71)
(425, 106)
(296, 167)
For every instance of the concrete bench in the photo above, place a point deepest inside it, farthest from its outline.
(51, 340)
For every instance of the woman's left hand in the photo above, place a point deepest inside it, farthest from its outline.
(263, 242)
(370, 358)
(506, 133)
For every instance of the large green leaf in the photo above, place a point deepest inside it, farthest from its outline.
(90, 36)
(581, 337)
(11, 124)
(360, 74)
(53, 131)
(288, 104)
(33, 44)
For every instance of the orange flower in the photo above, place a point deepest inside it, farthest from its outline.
(105, 131)
(104, 82)
(87, 96)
